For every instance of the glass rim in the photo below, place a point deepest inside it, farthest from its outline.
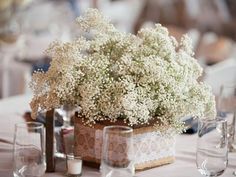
(29, 125)
(73, 156)
(112, 129)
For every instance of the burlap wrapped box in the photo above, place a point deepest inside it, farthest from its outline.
(150, 149)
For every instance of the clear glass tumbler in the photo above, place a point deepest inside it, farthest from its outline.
(227, 110)
(29, 150)
(212, 147)
(117, 152)
(64, 135)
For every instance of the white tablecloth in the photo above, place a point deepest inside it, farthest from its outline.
(12, 109)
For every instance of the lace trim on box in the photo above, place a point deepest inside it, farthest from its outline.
(147, 146)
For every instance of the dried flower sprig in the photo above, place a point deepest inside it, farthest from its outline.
(138, 78)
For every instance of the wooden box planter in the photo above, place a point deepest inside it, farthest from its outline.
(151, 149)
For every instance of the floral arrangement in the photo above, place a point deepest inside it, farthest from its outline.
(143, 78)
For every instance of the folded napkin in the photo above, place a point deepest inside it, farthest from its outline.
(191, 125)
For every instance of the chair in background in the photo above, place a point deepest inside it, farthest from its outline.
(14, 76)
(122, 13)
(220, 73)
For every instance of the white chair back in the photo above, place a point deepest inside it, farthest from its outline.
(221, 73)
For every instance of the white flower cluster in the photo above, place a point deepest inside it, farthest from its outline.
(140, 79)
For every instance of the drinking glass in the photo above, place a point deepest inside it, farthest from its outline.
(117, 152)
(29, 150)
(212, 147)
(227, 110)
(64, 135)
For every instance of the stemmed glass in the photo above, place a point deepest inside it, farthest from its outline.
(227, 110)
(29, 150)
(212, 147)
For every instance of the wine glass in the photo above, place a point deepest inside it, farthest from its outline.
(29, 150)
(212, 147)
(117, 152)
(227, 110)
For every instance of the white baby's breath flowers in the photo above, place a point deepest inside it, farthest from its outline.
(144, 79)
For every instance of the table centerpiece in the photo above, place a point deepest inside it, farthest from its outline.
(147, 81)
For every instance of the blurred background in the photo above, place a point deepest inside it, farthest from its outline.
(28, 26)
